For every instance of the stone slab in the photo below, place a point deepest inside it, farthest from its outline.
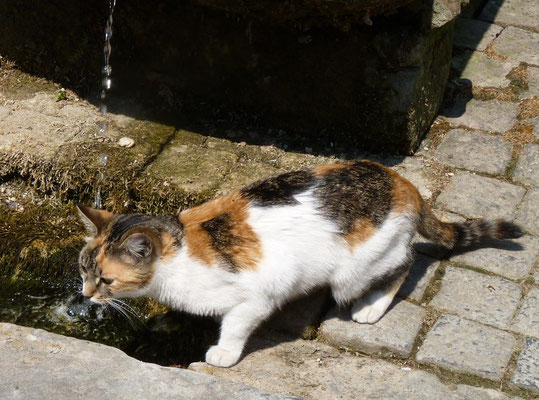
(522, 13)
(518, 45)
(482, 71)
(513, 258)
(319, 371)
(492, 115)
(477, 196)
(474, 34)
(490, 153)
(527, 169)
(393, 334)
(533, 83)
(417, 281)
(528, 212)
(467, 346)
(527, 373)
(39, 125)
(527, 319)
(415, 170)
(44, 365)
(479, 297)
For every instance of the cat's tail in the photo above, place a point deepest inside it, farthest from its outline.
(460, 234)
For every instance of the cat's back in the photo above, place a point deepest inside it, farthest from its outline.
(346, 202)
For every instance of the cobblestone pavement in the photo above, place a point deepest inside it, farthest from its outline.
(464, 325)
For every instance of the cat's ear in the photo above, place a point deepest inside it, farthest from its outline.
(138, 245)
(94, 220)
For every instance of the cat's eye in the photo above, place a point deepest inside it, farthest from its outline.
(106, 281)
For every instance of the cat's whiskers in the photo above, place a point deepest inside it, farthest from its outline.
(126, 310)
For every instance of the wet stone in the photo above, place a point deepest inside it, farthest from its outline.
(528, 212)
(467, 346)
(393, 334)
(510, 258)
(417, 281)
(527, 169)
(477, 196)
(518, 45)
(483, 298)
(482, 71)
(522, 13)
(492, 115)
(527, 373)
(490, 153)
(473, 34)
(527, 319)
(533, 83)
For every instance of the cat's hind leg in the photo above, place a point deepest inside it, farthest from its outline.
(236, 327)
(370, 308)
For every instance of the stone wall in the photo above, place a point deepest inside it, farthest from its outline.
(368, 80)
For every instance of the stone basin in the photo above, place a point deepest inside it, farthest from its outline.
(324, 12)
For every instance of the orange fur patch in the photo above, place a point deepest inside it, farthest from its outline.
(362, 230)
(125, 277)
(245, 252)
(168, 248)
(406, 198)
(326, 169)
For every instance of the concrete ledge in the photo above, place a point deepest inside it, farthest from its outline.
(44, 365)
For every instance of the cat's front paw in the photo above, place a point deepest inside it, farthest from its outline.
(221, 357)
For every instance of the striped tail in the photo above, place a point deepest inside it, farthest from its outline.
(460, 234)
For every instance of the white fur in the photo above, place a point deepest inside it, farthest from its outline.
(302, 250)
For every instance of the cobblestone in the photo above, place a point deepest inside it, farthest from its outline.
(492, 115)
(527, 373)
(477, 196)
(318, 371)
(523, 13)
(513, 259)
(533, 83)
(474, 34)
(527, 319)
(527, 169)
(461, 345)
(518, 45)
(393, 334)
(421, 273)
(488, 299)
(490, 153)
(481, 70)
(528, 212)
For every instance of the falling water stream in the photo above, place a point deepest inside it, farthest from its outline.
(105, 86)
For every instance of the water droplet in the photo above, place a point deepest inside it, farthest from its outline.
(103, 109)
(102, 127)
(102, 159)
(103, 95)
(106, 83)
(107, 70)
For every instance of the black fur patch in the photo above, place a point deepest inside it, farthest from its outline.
(362, 191)
(508, 230)
(222, 239)
(124, 223)
(279, 190)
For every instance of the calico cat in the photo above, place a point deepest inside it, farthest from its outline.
(346, 226)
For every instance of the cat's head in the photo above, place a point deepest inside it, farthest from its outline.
(119, 259)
